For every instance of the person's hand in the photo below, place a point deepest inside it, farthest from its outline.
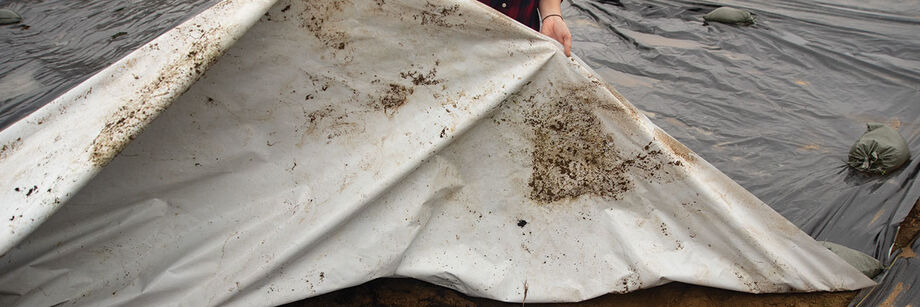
(555, 28)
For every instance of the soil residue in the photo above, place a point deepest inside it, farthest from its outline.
(439, 15)
(676, 147)
(573, 156)
(627, 107)
(314, 18)
(329, 121)
(395, 96)
(130, 119)
(419, 78)
(6, 149)
(909, 227)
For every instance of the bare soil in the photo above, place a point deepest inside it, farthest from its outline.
(410, 292)
(909, 227)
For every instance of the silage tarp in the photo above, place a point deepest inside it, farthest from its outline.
(338, 141)
(776, 106)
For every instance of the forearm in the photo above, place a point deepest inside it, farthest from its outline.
(548, 7)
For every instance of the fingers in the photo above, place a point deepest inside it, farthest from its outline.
(567, 43)
(559, 32)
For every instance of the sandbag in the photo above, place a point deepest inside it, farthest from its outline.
(880, 150)
(8, 17)
(862, 262)
(730, 15)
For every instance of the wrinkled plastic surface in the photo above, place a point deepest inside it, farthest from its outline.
(897, 286)
(336, 143)
(880, 150)
(776, 106)
(49, 155)
(61, 43)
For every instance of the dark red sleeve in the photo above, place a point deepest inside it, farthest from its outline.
(524, 11)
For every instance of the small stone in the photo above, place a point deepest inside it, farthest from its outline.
(8, 17)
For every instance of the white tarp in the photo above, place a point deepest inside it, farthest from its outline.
(341, 141)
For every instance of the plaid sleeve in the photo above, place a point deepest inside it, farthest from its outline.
(524, 11)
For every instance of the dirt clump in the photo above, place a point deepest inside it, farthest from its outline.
(315, 17)
(573, 156)
(394, 96)
(419, 78)
(438, 15)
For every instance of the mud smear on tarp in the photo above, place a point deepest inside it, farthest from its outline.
(572, 155)
(7, 149)
(418, 78)
(329, 121)
(439, 15)
(395, 96)
(129, 120)
(315, 18)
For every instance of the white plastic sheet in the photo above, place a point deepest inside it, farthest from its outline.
(341, 141)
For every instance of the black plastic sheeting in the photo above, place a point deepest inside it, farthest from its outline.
(895, 288)
(776, 106)
(61, 43)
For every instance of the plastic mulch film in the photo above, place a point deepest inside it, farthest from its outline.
(777, 105)
(895, 287)
(263, 152)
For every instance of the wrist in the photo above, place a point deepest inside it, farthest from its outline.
(552, 15)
